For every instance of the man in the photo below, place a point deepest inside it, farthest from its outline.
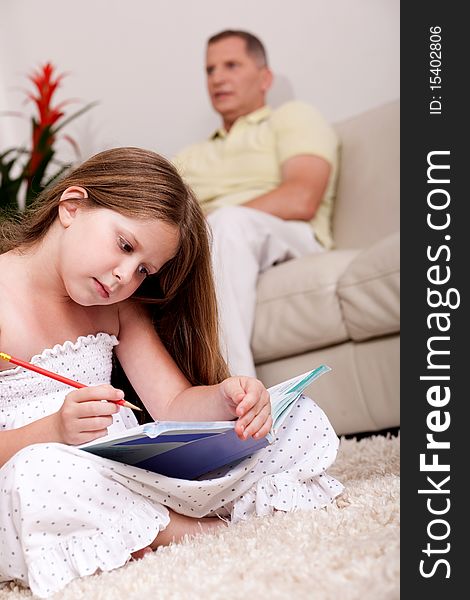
(265, 179)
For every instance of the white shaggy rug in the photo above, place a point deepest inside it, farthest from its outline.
(349, 550)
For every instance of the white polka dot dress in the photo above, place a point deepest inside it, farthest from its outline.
(66, 513)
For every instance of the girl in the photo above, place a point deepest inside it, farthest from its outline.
(120, 234)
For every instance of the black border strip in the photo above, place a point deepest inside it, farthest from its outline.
(440, 129)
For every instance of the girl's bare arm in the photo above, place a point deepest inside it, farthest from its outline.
(83, 417)
(14, 440)
(156, 378)
(168, 395)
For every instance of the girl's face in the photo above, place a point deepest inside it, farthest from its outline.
(104, 256)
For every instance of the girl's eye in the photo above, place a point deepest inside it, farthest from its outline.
(143, 271)
(125, 246)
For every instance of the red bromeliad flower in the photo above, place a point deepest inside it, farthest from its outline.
(45, 126)
(46, 86)
(43, 134)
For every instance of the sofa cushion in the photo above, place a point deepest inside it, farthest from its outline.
(367, 205)
(297, 306)
(369, 291)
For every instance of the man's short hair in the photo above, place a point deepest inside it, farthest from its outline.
(254, 46)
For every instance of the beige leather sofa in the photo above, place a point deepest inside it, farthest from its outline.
(341, 307)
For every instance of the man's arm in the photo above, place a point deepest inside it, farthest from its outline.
(303, 182)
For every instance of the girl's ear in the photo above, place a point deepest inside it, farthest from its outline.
(69, 202)
(74, 192)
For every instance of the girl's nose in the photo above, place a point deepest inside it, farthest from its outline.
(123, 274)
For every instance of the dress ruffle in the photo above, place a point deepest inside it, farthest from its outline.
(283, 492)
(103, 550)
(59, 349)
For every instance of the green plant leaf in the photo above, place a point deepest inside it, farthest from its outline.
(9, 186)
(35, 185)
(19, 150)
(58, 174)
(73, 116)
(9, 195)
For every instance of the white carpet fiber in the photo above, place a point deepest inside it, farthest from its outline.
(348, 551)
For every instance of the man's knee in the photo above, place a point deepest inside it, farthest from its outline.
(230, 218)
(234, 225)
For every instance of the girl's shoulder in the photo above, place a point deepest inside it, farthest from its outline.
(134, 323)
(10, 312)
(7, 285)
(133, 315)
(11, 271)
(31, 322)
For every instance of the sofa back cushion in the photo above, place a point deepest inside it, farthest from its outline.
(298, 308)
(367, 201)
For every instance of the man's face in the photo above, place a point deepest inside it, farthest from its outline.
(237, 85)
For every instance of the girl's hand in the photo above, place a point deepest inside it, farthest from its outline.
(83, 417)
(248, 399)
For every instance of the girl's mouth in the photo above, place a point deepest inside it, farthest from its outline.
(101, 289)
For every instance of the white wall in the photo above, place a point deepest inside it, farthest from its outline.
(143, 60)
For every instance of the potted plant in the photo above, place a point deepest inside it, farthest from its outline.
(30, 168)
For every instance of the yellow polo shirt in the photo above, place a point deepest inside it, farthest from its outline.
(232, 168)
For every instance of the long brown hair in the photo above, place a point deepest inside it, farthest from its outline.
(181, 297)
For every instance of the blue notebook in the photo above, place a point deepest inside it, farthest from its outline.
(187, 450)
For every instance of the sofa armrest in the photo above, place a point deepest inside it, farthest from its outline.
(369, 291)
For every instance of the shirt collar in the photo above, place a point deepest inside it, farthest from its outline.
(258, 115)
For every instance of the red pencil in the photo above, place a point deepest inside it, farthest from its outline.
(75, 384)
